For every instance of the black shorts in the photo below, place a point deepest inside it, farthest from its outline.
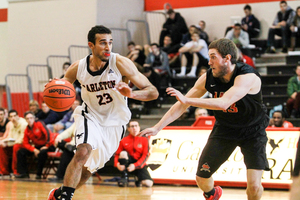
(141, 174)
(218, 149)
(297, 161)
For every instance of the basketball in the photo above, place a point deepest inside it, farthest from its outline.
(59, 95)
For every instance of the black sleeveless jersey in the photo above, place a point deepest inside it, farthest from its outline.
(246, 112)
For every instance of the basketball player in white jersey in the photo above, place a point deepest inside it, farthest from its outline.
(100, 121)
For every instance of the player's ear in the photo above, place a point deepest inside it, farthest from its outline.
(91, 45)
(228, 57)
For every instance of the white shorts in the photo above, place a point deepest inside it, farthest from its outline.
(103, 139)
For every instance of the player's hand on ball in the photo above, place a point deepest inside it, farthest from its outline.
(50, 80)
(148, 132)
(179, 96)
(124, 89)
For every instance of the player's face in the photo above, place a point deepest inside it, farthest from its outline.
(278, 120)
(30, 119)
(134, 128)
(217, 63)
(102, 47)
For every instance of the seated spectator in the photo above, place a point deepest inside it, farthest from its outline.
(278, 120)
(47, 115)
(195, 50)
(238, 36)
(159, 62)
(172, 51)
(250, 23)
(34, 107)
(281, 27)
(76, 83)
(202, 70)
(245, 59)
(136, 55)
(201, 112)
(203, 34)
(68, 152)
(295, 26)
(38, 140)
(293, 91)
(174, 26)
(188, 36)
(11, 142)
(66, 121)
(3, 122)
(131, 157)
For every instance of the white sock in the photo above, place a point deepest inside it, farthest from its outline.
(183, 70)
(193, 71)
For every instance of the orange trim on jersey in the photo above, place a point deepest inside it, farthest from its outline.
(3, 15)
(151, 5)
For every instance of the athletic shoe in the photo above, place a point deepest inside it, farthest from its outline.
(217, 195)
(51, 194)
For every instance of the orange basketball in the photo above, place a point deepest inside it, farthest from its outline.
(59, 95)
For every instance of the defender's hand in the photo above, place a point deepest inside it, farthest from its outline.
(179, 96)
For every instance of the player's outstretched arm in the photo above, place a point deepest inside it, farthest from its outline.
(128, 70)
(178, 108)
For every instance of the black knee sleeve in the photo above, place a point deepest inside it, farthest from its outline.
(123, 161)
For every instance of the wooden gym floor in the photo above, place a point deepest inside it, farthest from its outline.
(30, 189)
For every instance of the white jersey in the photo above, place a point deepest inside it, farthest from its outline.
(99, 95)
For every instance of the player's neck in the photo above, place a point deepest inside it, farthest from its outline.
(96, 64)
(227, 77)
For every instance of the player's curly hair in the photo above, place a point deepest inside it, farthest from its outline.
(224, 47)
(99, 29)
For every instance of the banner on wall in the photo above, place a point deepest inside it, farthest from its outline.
(3, 10)
(151, 5)
(175, 154)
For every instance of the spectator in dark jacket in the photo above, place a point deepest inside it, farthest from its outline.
(250, 23)
(175, 26)
(295, 28)
(281, 27)
(47, 116)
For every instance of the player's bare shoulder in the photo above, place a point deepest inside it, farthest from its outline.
(125, 66)
(72, 72)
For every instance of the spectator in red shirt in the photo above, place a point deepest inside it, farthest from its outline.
(278, 121)
(38, 140)
(132, 155)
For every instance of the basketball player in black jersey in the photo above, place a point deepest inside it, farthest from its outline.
(295, 187)
(241, 118)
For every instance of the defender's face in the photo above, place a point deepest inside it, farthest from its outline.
(217, 63)
(102, 47)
